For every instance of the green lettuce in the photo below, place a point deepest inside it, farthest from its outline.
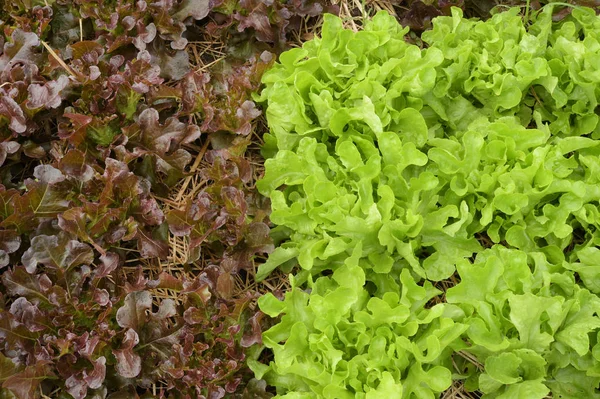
(415, 152)
(529, 323)
(472, 165)
(342, 340)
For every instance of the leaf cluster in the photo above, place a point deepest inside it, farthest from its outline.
(470, 163)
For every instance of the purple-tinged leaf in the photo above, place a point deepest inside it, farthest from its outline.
(10, 241)
(235, 203)
(193, 315)
(19, 50)
(166, 281)
(145, 35)
(4, 259)
(74, 165)
(8, 148)
(255, 15)
(94, 72)
(254, 336)
(33, 150)
(129, 364)
(164, 138)
(310, 8)
(77, 384)
(136, 281)
(27, 314)
(48, 95)
(197, 289)
(101, 297)
(86, 48)
(108, 263)
(26, 384)
(95, 378)
(133, 312)
(197, 9)
(34, 287)
(173, 64)
(420, 15)
(55, 251)
(166, 309)
(76, 387)
(65, 28)
(246, 113)
(180, 222)
(73, 221)
(12, 333)
(84, 344)
(160, 336)
(217, 393)
(173, 165)
(151, 247)
(151, 214)
(192, 86)
(41, 200)
(225, 285)
(14, 113)
(48, 174)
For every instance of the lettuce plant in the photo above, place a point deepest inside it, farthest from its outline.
(384, 157)
(530, 323)
(342, 339)
(503, 67)
(471, 163)
(101, 116)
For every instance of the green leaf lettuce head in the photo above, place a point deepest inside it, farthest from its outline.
(414, 152)
(355, 334)
(341, 341)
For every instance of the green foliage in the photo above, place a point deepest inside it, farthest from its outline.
(475, 159)
(341, 339)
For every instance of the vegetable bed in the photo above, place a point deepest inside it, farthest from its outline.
(299, 199)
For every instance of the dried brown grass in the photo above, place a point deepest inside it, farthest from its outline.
(457, 391)
(352, 12)
(206, 52)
